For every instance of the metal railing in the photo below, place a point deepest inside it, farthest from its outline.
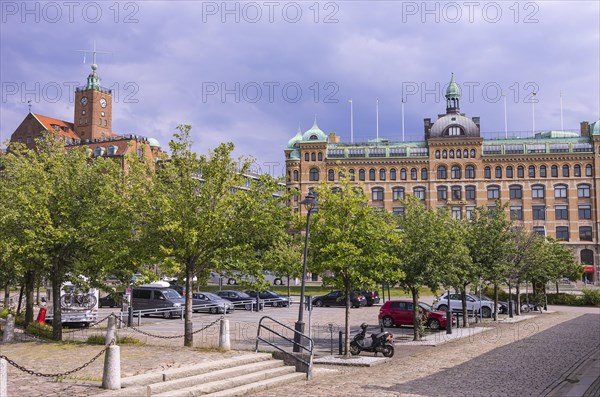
(303, 337)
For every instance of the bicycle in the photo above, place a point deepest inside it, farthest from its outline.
(87, 301)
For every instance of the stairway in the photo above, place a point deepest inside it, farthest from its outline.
(234, 376)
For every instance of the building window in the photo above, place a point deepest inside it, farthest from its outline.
(445, 154)
(424, 175)
(398, 193)
(452, 153)
(516, 213)
(498, 172)
(313, 174)
(541, 230)
(561, 212)
(382, 174)
(509, 172)
(565, 170)
(377, 194)
(458, 154)
(399, 211)
(520, 172)
(560, 191)
(562, 233)
(537, 191)
(313, 157)
(470, 172)
(585, 212)
(393, 174)
(455, 172)
(306, 157)
(532, 171)
(469, 211)
(99, 151)
(585, 233)
(419, 193)
(516, 192)
(330, 175)
(539, 212)
(372, 174)
(577, 170)
(588, 170)
(441, 172)
(470, 192)
(472, 153)
(112, 150)
(542, 171)
(437, 154)
(413, 174)
(456, 212)
(583, 191)
(320, 156)
(493, 192)
(296, 175)
(487, 172)
(554, 171)
(403, 174)
(361, 174)
(351, 174)
(442, 193)
(456, 192)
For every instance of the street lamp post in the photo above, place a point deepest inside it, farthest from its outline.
(311, 204)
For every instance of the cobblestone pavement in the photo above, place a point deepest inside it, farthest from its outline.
(526, 358)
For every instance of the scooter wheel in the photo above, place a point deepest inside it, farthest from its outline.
(388, 350)
(354, 349)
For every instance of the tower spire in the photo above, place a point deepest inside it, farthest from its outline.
(93, 80)
(452, 96)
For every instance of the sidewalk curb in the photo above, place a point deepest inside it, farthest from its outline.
(581, 378)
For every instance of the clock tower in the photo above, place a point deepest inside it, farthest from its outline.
(93, 109)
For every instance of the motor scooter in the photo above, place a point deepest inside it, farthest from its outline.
(382, 342)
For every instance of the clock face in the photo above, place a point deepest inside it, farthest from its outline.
(103, 102)
(83, 101)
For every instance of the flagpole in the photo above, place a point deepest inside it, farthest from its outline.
(377, 117)
(351, 122)
(505, 119)
(533, 112)
(562, 128)
(402, 119)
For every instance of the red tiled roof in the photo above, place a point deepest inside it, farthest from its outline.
(66, 128)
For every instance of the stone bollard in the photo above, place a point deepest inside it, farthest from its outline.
(111, 377)
(111, 331)
(3, 377)
(224, 342)
(9, 329)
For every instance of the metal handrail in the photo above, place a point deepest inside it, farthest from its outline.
(308, 349)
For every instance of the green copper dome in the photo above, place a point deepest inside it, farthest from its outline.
(153, 142)
(297, 138)
(93, 80)
(295, 155)
(595, 128)
(314, 134)
(452, 92)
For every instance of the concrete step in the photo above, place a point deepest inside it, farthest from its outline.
(224, 385)
(213, 376)
(260, 385)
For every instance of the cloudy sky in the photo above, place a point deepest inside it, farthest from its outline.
(252, 72)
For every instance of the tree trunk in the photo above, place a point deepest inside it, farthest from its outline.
(517, 308)
(417, 326)
(289, 289)
(20, 298)
(7, 295)
(56, 290)
(29, 286)
(188, 339)
(347, 320)
(463, 298)
(495, 301)
(557, 287)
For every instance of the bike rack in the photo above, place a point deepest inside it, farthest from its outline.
(308, 349)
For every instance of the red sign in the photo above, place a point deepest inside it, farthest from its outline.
(588, 269)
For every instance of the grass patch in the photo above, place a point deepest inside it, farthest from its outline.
(40, 330)
(125, 340)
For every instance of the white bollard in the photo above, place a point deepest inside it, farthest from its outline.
(9, 329)
(3, 377)
(111, 331)
(111, 377)
(224, 342)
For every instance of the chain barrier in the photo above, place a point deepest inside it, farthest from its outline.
(90, 326)
(176, 336)
(31, 372)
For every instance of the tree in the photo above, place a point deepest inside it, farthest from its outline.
(349, 239)
(284, 258)
(521, 244)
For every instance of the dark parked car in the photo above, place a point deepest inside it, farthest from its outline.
(272, 298)
(177, 287)
(109, 301)
(400, 312)
(372, 297)
(338, 298)
(240, 299)
(214, 303)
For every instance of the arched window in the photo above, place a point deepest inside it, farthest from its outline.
(341, 175)
(487, 172)
(470, 192)
(516, 192)
(437, 154)
(296, 175)
(397, 193)
(442, 193)
(320, 156)
(466, 153)
(419, 192)
(445, 154)
(498, 172)
(470, 172)
(330, 175)
(372, 174)
(588, 170)
(560, 191)
(456, 193)
(554, 171)
(393, 174)
(377, 194)
(458, 154)
(441, 172)
(577, 170)
(306, 156)
(361, 174)
(542, 171)
(382, 174)
(313, 174)
(351, 174)
(537, 191)
(532, 171)
(583, 190)
(509, 171)
(140, 152)
(313, 156)
(413, 174)
(424, 173)
(455, 172)
(451, 153)
(403, 174)
(520, 172)
(472, 153)
(565, 170)
(493, 192)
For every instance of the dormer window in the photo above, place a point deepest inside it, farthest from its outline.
(313, 138)
(55, 127)
(454, 130)
(98, 151)
(112, 150)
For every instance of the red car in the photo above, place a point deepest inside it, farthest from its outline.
(400, 312)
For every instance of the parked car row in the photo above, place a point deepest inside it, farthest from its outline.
(338, 298)
(474, 305)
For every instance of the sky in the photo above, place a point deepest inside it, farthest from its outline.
(252, 73)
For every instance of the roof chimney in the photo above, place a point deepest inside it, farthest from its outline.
(585, 128)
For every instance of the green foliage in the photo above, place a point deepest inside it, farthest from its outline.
(39, 330)
(591, 297)
(5, 312)
(101, 339)
(502, 295)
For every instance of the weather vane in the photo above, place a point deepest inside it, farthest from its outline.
(29, 104)
(94, 52)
